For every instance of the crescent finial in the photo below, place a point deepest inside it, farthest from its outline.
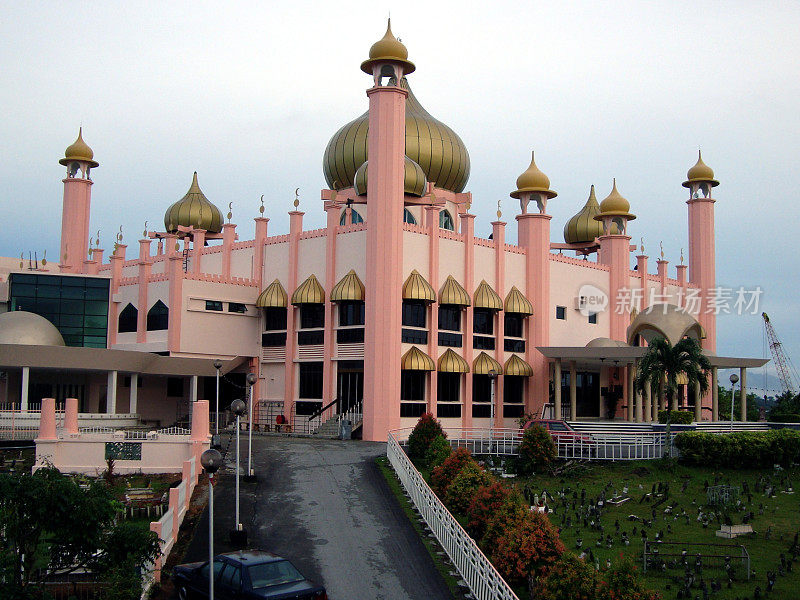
(499, 212)
(261, 208)
(144, 233)
(641, 245)
(661, 245)
(296, 197)
(230, 211)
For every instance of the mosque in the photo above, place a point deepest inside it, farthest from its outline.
(394, 309)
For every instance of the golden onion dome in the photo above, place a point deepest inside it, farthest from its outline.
(416, 360)
(80, 151)
(429, 143)
(416, 287)
(533, 180)
(193, 210)
(614, 205)
(413, 184)
(273, 296)
(700, 173)
(583, 228)
(388, 49)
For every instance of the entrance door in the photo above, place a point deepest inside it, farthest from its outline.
(350, 385)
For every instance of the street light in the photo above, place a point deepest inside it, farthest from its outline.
(217, 365)
(492, 380)
(238, 533)
(251, 379)
(734, 380)
(211, 461)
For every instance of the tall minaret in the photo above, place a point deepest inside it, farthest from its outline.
(386, 143)
(79, 160)
(702, 260)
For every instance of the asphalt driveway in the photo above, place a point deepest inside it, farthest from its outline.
(325, 505)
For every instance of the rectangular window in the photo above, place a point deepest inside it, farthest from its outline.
(215, 305)
(514, 325)
(480, 342)
(311, 380)
(514, 345)
(307, 408)
(274, 319)
(450, 318)
(448, 395)
(237, 307)
(414, 336)
(351, 313)
(483, 321)
(513, 388)
(412, 409)
(561, 313)
(175, 387)
(312, 316)
(412, 385)
(310, 338)
(481, 411)
(350, 336)
(452, 340)
(481, 389)
(593, 318)
(414, 313)
(273, 339)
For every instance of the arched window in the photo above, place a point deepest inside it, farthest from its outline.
(158, 317)
(408, 217)
(446, 221)
(355, 217)
(127, 319)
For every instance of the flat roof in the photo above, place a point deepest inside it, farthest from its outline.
(598, 356)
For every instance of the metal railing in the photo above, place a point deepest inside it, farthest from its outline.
(481, 577)
(174, 431)
(354, 414)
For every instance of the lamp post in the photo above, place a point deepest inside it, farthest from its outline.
(251, 379)
(492, 380)
(211, 461)
(217, 367)
(238, 533)
(734, 381)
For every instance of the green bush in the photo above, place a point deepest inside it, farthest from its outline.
(425, 431)
(463, 488)
(438, 452)
(678, 417)
(745, 449)
(784, 417)
(444, 475)
(536, 451)
(570, 579)
(622, 582)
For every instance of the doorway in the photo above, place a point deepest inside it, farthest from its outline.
(350, 383)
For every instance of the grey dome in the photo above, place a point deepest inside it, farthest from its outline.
(21, 327)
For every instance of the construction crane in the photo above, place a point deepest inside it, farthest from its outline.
(782, 362)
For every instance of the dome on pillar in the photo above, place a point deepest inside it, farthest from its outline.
(583, 228)
(533, 180)
(193, 210)
(388, 49)
(700, 173)
(79, 151)
(614, 205)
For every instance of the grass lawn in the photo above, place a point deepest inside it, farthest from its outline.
(775, 521)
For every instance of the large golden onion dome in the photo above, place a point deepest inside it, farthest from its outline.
(583, 228)
(614, 205)
(700, 173)
(80, 151)
(413, 184)
(533, 180)
(388, 49)
(429, 143)
(193, 210)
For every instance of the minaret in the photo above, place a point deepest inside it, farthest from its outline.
(702, 260)
(387, 63)
(615, 251)
(79, 160)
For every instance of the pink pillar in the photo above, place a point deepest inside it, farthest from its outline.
(200, 423)
(144, 264)
(615, 252)
(117, 261)
(641, 269)
(534, 236)
(432, 223)
(384, 259)
(295, 229)
(198, 244)
(176, 510)
(228, 237)
(663, 266)
(499, 237)
(332, 212)
(702, 262)
(258, 250)
(47, 422)
(155, 527)
(681, 269)
(468, 231)
(187, 477)
(175, 269)
(75, 223)
(71, 415)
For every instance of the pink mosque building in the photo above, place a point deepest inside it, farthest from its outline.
(396, 307)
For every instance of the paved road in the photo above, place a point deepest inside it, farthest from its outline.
(325, 505)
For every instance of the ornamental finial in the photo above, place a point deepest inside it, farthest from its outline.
(296, 197)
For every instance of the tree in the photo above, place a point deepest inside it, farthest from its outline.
(536, 451)
(462, 490)
(444, 474)
(425, 431)
(664, 363)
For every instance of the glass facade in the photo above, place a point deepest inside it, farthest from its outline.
(77, 306)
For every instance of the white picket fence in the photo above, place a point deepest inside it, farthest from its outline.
(481, 577)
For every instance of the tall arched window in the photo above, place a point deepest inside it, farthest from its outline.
(158, 317)
(355, 217)
(127, 319)
(446, 221)
(408, 217)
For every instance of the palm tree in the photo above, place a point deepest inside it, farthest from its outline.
(664, 363)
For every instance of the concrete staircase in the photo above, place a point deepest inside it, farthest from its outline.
(329, 429)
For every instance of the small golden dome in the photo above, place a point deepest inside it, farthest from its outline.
(414, 183)
(450, 362)
(80, 151)
(533, 180)
(416, 287)
(309, 292)
(193, 210)
(349, 289)
(388, 48)
(615, 205)
(583, 228)
(273, 296)
(416, 360)
(486, 297)
(699, 173)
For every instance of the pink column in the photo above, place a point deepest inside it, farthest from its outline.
(534, 236)
(117, 261)
(200, 423)
(47, 422)
(173, 506)
(332, 212)
(702, 262)
(144, 264)
(499, 237)
(681, 269)
(432, 223)
(384, 260)
(198, 244)
(175, 270)
(662, 266)
(228, 237)
(295, 229)
(468, 231)
(71, 415)
(258, 250)
(641, 269)
(155, 527)
(615, 252)
(75, 223)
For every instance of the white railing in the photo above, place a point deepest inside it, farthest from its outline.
(483, 580)
(485, 441)
(354, 414)
(174, 431)
(135, 434)
(97, 429)
(19, 433)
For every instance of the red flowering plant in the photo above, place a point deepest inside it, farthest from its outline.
(484, 505)
(528, 548)
(470, 479)
(571, 578)
(444, 475)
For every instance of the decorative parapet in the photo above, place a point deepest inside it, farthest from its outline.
(579, 262)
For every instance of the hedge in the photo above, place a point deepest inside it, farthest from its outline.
(678, 417)
(741, 449)
(784, 417)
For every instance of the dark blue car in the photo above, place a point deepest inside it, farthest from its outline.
(246, 575)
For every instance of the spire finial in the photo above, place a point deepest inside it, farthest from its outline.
(681, 255)
(144, 233)
(261, 208)
(296, 197)
(499, 212)
(230, 211)
(641, 245)
(661, 245)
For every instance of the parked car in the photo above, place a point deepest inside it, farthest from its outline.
(576, 443)
(246, 575)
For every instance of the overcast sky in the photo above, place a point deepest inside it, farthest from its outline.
(248, 94)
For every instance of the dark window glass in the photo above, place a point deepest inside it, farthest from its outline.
(96, 307)
(412, 409)
(158, 317)
(483, 343)
(274, 319)
(215, 305)
(408, 217)
(446, 221)
(127, 319)
(231, 577)
(450, 318)
(448, 410)
(307, 408)
(277, 572)
(514, 345)
(175, 387)
(513, 411)
(481, 388)
(513, 389)
(453, 340)
(311, 380)
(355, 217)
(414, 336)
(312, 316)
(310, 338)
(351, 313)
(273, 339)
(412, 385)
(350, 336)
(448, 387)
(514, 325)
(237, 307)
(593, 318)
(481, 411)
(414, 313)
(483, 321)
(561, 312)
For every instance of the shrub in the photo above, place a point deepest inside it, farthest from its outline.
(463, 488)
(677, 417)
(484, 505)
(528, 548)
(511, 509)
(742, 449)
(622, 582)
(536, 451)
(425, 431)
(784, 417)
(570, 579)
(444, 475)
(438, 451)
